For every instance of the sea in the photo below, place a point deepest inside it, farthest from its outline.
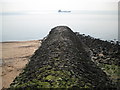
(34, 25)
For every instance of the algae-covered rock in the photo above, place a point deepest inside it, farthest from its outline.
(61, 62)
(106, 55)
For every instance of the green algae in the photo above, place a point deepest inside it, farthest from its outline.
(52, 78)
(113, 71)
(34, 84)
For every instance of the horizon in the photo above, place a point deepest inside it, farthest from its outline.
(32, 20)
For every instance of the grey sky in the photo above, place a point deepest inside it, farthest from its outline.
(23, 5)
(33, 19)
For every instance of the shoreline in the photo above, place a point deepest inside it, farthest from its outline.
(12, 41)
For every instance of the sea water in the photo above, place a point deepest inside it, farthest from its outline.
(36, 25)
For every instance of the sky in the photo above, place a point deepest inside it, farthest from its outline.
(100, 10)
(29, 5)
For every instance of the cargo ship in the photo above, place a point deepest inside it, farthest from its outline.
(61, 11)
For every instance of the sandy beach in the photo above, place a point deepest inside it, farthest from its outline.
(15, 56)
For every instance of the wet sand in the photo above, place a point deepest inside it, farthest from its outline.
(15, 56)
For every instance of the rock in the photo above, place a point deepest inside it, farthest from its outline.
(62, 61)
(101, 55)
(104, 54)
